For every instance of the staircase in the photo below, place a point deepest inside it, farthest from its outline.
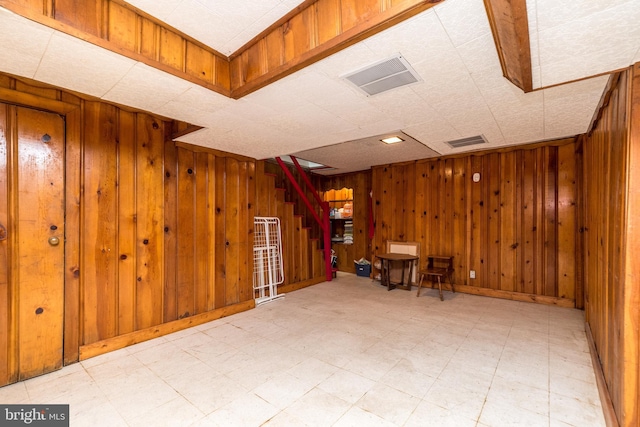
(302, 256)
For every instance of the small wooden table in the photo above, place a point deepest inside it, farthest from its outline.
(385, 274)
(438, 267)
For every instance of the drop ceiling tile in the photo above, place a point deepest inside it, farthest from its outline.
(363, 116)
(443, 70)
(307, 121)
(553, 13)
(403, 105)
(383, 126)
(479, 121)
(22, 44)
(532, 21)
(433, 133)
(346, 61)
(263, 19)
(609, 39)
(177, 111)
(502, 96)
(203, 99)
(479, 54)
(208, 26)
(147, 88)
(410, 37)
(522, 126)
(94, 70)
(278, 97)
(464, 20)
(568, 109)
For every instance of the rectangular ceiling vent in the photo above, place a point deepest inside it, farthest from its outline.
(465, 142)
(383, 76)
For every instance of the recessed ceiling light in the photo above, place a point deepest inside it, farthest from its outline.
(392, 140)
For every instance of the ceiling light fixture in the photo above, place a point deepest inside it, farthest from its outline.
(392, 140)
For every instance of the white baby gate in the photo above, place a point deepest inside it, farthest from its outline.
(267, 259)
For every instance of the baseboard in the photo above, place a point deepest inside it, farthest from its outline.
(515, 296)
(299, 285)
(605, 398)
(122, 341)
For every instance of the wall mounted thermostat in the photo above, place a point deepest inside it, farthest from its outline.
(476, 177)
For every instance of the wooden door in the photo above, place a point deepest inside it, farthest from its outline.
(32, 247)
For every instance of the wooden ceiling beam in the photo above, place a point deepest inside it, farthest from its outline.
(510, 27)
(313, 32)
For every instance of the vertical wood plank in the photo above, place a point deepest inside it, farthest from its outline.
(232, 230)
(528, 220)
(459, 216)
(186, 233)
(509, 245)
(492, 200)
(566, 221)
(126, 251)
(99, 228)
(246, 290)
(221, 232)
(202, 232)
(149, 221)
(476, 258)
(211, 221)
(170, 305)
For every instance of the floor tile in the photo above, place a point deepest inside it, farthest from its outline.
(344, 353)
(346, 385)
(388, 403)
(429, 414)
(356, 417)
(318, 408)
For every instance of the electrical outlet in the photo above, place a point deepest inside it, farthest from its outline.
(472, 274)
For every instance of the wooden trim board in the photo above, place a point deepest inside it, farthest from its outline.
(121, 341)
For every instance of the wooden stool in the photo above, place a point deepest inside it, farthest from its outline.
(438, 267)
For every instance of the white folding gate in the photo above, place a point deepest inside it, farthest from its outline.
(267, 259)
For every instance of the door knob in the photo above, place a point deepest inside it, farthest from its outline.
(54, 241)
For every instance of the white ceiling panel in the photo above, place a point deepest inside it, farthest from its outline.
(608, 37)
(568, 109)
(463, 92)
(553, 13)
(86, 68)
(224, 25)
(463, 20)
(203, 99)
(22, 44)
(147, 88)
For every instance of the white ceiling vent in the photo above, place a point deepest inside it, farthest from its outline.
(383, 75)
(465, 142)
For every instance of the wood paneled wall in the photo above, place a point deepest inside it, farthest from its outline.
(165, 229)
(516, 227)
(612, 241)
(155, 231)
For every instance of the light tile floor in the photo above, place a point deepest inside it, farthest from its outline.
(343, 353)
